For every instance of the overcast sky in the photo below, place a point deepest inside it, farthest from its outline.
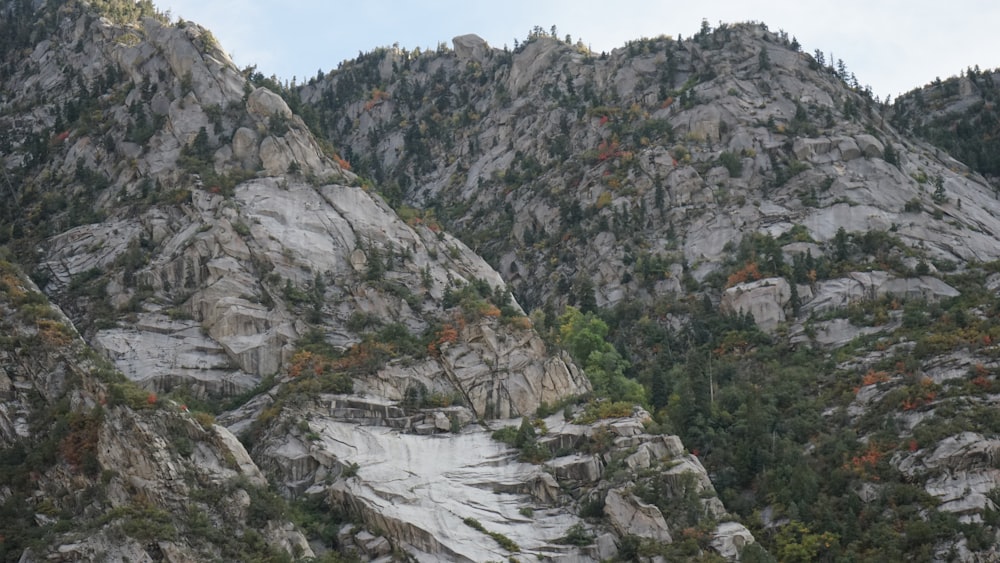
(892, 45)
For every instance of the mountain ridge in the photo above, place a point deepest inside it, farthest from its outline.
(720, 228)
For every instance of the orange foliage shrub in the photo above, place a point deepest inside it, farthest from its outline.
(300, 361)
(81, 442)
(750, 272)
(523, 323)
(377, 97)
(448, 333)
(867, 461)
(53, 333)
(489, 310)
(873, 377)
(606, 150)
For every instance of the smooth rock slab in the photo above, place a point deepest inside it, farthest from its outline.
(418, 490)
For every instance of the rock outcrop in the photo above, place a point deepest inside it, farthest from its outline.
(802, 291)
(374, 459)
(142, 476)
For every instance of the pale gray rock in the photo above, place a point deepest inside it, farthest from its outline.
(606, 547)
(534, 59)
(730, 538)
(470, 48)
(403, 478)
(160, 354)
(630, 516)
(839, 332)
(245, 146)
(962, 473)
(765, 299)
(848, 148)
(263, 104)
(869, 145)
(814, 150)
(286, 536)
(868, 286)
(585, 468)
(824, 223)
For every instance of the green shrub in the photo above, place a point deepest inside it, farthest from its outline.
(577, 535)
(733, 163)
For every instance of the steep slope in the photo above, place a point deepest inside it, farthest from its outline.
(807, 295)
(625, 171)
(216, 253)
(958, 115)
(95, 468)
(211, 246)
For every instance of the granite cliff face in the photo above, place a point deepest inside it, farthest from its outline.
(96, 468)
(210, 247)
(803, 293)
(619, 173)
(670, 180)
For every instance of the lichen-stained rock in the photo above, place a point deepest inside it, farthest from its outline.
(150, 468)
(200, 236)
(683, 203)
(869, 146)
(859, 287)
(402, 474)
(264, 104)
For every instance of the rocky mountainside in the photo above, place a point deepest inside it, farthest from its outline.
(96, 468)
(751, 319)
(958, 115)
(675, 187)
(226, 261)
(620, 173)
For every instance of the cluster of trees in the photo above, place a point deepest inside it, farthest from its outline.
(972, 134)
(751, 407)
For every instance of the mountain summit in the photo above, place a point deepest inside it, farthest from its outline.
(691, 299)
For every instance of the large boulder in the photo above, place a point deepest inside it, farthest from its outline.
(730, 538)
(470, 48)
(630, 516)
(263, 103)
(764, 299)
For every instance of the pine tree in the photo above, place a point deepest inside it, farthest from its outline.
(939, 196)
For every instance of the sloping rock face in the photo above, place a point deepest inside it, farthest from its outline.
(769, 300)
(188, 222)
(423, 491)
(963, 472)
(956, 116)
(227, 222)
(765, 300)
(194, 229)
(594, 175)
(630, 515)
(99, 469)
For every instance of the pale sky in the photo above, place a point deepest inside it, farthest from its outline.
(892, 45)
